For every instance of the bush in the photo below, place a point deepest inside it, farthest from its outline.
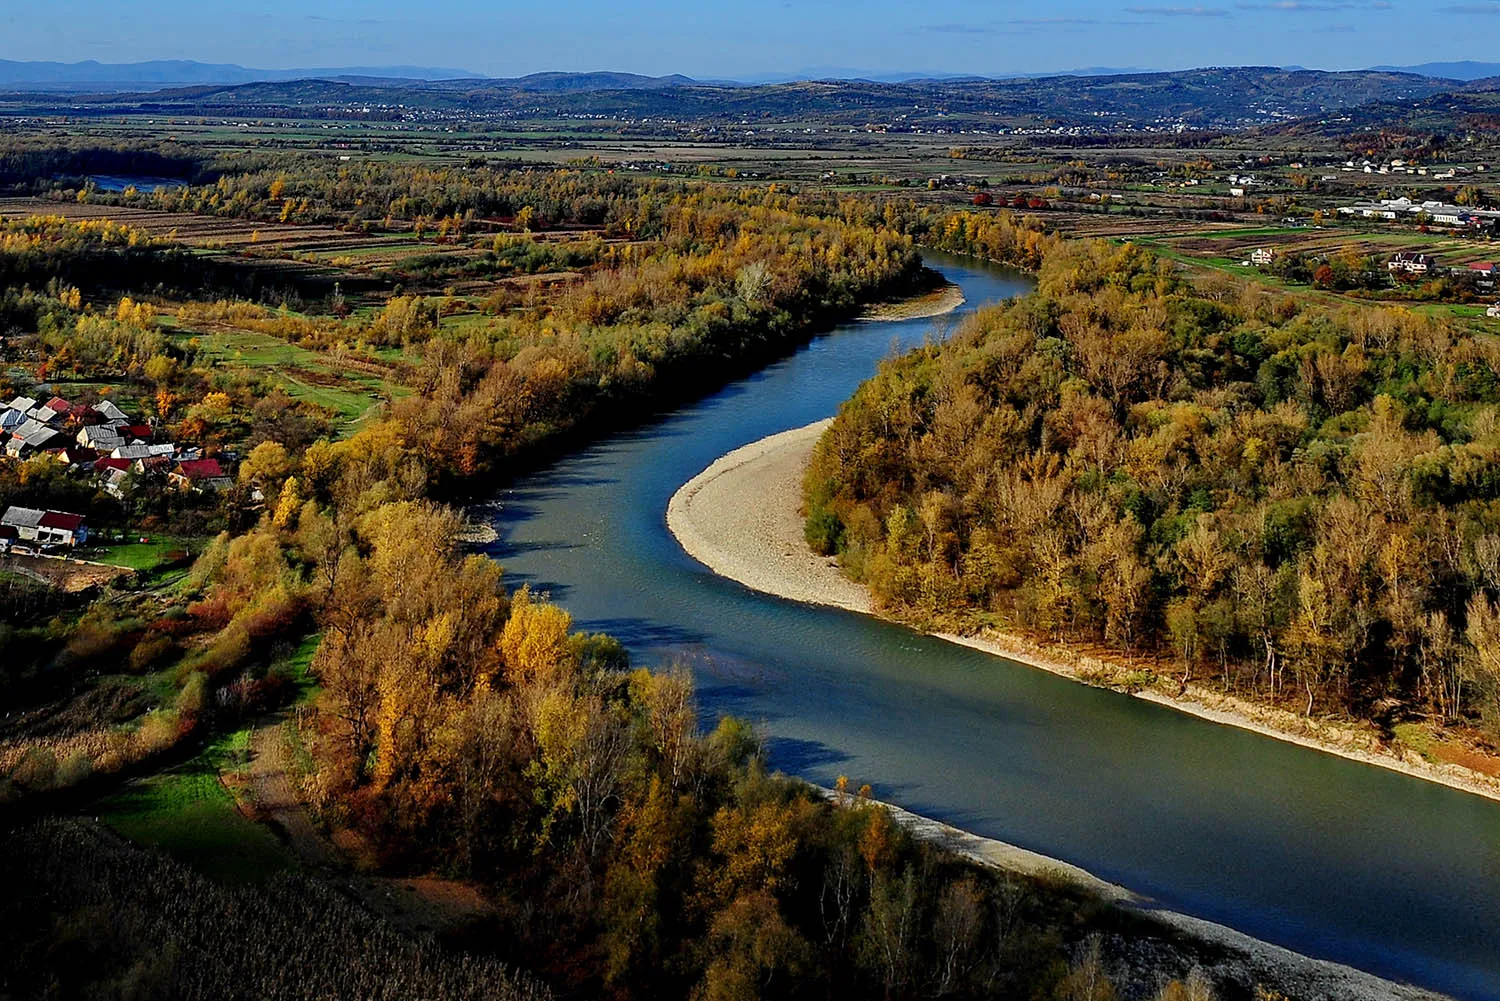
(76, 769)
(193, 697)
(153, 648)
(36, 770)
(96, 637)
(824, 531)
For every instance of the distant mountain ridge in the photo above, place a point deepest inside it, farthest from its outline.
(91, 75)
(1211, 98)
(1466, 70)
(186, 72)
(1215, 98)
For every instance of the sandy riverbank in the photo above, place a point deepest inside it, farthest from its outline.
(935, 303)
(741, 518)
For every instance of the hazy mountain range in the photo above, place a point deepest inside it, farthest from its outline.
(99, 77)
(185, 72)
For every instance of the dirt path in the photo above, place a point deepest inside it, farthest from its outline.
(274, 794)
(418, 905)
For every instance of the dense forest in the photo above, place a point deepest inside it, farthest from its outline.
(1298, 501)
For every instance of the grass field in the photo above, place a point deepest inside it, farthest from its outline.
(147, 556)
(187, 812)
(300, 664)
(352, 399)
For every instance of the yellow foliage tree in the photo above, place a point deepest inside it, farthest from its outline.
(534, 643)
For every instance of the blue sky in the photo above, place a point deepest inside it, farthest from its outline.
(705, 38)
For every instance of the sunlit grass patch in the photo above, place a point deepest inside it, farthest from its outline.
(187, 812)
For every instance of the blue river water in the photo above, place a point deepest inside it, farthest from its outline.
(1332, 858)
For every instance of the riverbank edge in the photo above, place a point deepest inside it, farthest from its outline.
(742, 481)
(943, 299)
(1246, 956)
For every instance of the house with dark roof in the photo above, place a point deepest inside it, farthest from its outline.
(45, 528)
(77, 456)
(31, 437)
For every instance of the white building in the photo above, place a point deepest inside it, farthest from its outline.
(45, 528)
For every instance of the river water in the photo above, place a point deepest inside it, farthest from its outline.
(1329, 857)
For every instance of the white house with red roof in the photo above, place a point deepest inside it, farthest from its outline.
(45, 528)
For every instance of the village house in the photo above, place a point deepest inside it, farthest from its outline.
(114, 475)
(199, 474)
(1435, 212)
(45, 528)
(1411, 262)
(130, 453)
(102, 437)
(104, 440)
(1262, 256)
(109, 411)
(77, 457)
(31, 437)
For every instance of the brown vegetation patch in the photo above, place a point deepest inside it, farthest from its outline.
(69, 576)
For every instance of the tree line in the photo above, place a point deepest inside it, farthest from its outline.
(1297, 500)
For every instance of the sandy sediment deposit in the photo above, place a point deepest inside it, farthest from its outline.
(943, 300)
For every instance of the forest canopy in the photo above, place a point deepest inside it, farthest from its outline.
(1295, 498)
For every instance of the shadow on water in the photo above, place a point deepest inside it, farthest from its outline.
(645, 634)
(800, 757)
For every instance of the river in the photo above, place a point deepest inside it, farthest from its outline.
(1326, 856)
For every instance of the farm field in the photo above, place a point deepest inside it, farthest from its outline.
(1236, 244)
(1226, 249)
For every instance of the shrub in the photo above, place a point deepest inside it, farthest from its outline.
(153, 648)
(824, 531)
(36, 770)
(76, 769)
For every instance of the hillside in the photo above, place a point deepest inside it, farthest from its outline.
(1469, 116)
(1214, 98)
